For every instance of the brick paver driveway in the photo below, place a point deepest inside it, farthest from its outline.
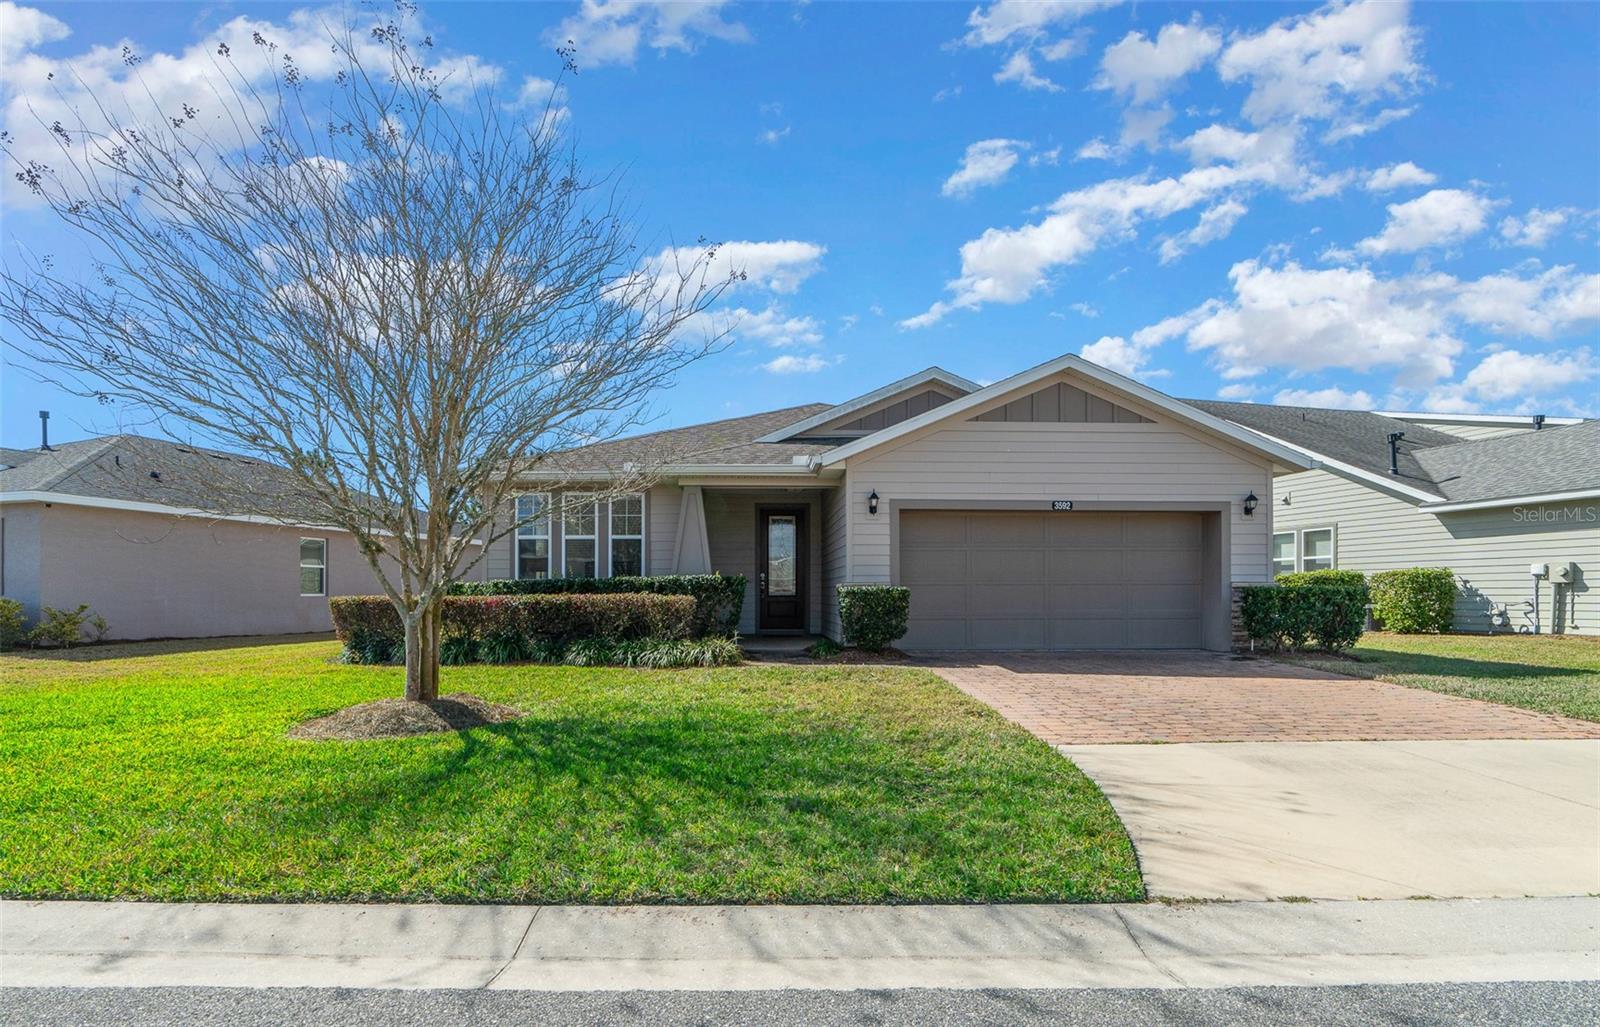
(1189, 696)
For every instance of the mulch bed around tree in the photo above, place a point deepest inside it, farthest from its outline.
(401, 718)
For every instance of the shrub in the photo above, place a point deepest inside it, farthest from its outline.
(13, 625)
(1415, 600)
(62, 628)
(504, 629)
(717, 598)
(1330, 614)
(873, 615)
(823, 649)
(1328, 577)
(652, 652)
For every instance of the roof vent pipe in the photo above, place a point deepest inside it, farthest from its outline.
(44, 431)
(1394, 451)
(1538, 422)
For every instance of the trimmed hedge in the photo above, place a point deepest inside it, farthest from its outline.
(1415, 600)
(874, 615)
(501, 629)
(717, 598)
(1331, 577)
(1321, 614)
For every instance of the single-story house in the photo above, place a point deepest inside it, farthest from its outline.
(1064, 507)
(121, 523)
(1493, 498)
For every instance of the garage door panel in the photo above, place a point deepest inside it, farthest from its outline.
(1109, 600)
(1164, 531)
(1006, 634)
(1084, 530)
(985, 580)
(1006, 566)
(933, 528)
(1005, 600)
(934, 566)
(985, 530)
(1085, 566)
(1163, 565)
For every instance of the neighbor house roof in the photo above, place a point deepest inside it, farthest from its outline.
(1435, 467)
(132, 472)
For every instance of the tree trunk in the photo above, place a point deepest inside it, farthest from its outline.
(422, 654)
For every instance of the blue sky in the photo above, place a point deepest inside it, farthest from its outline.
(1337, 204)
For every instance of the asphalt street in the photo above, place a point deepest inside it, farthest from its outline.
(1547, 1003)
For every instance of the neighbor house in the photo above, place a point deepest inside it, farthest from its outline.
(1493, 498)
(1064, 507)
(130, 526)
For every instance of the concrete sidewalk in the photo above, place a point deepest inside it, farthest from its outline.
(76, 944)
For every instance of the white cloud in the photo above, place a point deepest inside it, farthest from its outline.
(1354, 128)
(1435, 218)
(1511, 375)
(1312, 65)
(773, 136)
(779, 266)
(986, 162)
(1143, 70)
(1050, 157)
(1018, 68)
(1007, 265)
(1215, 223)
(1142, 126)
(611, 31)
(1095, 149)
(1536, 227)
(1086, 309)
(1132, 356)
(791, 364)
(24, 28)
(1355, 319)
(1116, 353)
(1009, 21)
(773, 327)
(1330, 397)
(1398, 176)
(1237, 392)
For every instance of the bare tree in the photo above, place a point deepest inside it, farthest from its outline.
(393, 284)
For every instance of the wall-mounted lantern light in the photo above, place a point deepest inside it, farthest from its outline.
(872, 503)
(1250, 504)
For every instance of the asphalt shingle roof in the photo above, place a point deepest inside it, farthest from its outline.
(730, 441)
(1563, 459)
(137, 469)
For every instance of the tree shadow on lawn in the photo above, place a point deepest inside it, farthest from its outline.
(572, 797)
(94, 652)
(1396, 661)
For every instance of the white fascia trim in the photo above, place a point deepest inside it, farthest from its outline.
(1487, 420)
(1382, 481)
(809, 469)
(1490, 504)
(923, 377)
(138, 506)
(1290, 455)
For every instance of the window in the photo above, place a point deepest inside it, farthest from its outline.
(579, 521)
(1282, 553)
(627, 536)
(1316, 549)
(313, 567)
(533, 537)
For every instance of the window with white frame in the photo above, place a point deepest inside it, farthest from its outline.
(580, 521)
(627, 536)
(1316, 549)
(313, 567)
(533, 536)
(1282, 553)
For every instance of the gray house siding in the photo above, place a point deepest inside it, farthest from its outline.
(731, 530)
(835, 557)
(1489, 550)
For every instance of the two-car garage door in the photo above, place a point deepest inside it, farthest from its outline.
(1029, 580)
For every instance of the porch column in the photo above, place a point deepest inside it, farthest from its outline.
(694, 549)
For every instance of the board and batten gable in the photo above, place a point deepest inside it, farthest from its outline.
(1489, 550)
(1152, 460)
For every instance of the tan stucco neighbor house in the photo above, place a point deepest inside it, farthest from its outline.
(1491, 497)
(120, 523)
(1064, 507)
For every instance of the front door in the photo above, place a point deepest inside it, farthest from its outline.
(781, 568)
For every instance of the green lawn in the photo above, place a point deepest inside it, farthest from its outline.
(144, 772)
(1548, 673)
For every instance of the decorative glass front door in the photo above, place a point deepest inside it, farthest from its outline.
(781, 579)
